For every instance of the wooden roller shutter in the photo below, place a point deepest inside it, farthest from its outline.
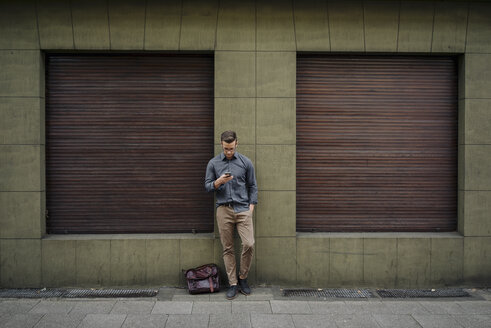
(128, 137)
(376, 143)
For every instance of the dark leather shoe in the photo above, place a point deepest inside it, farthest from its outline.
(232, 292)
(244, 287)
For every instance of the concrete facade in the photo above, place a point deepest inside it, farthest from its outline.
(255, 45)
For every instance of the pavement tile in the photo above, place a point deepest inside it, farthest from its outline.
(368, 307)
(191, 298)
(259, 297)
(442, 307)
(474, 320)
(222, 297)
(406, 307)
(20, 320)
(396, 320)
(133, 307)
(103, 321)
(187, 321)
(53, 320)
(478, 307)
(230, 320)
(355, 321)
(212, 307)
(251, 307)
(17, 306)
(336, 307)
(145, 321)
(92, 307)
(313, 320)
(290, 307)
(261, 320)
(59, 307)
(166, 307)
(436, 321)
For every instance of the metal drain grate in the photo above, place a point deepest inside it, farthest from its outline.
(89, 293)
(76, 293)
(414, 293)
(331, 293)
(30, 293)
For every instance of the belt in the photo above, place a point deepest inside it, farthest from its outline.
(228, 204)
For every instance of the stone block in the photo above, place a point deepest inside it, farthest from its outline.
(20, 167)
(20, 73)
(275, 214)
(18, 25)
(477, 73)
(198, 25)
(311, 25)
(128, 265)
(20, 121)
(162, 261)
(127, 24)
(237, 114)
(461, 164)
(90, 24)
(275, 258)
(477, 121)
(381, 25)
(21, 215)
(59, 262)
(20, 263)
(380, 262)
(413, 257)
(55, 24)
(235, 74)
(461, 122)
(479, 28)
(449, 27)
(477, 206)
(276, 121)
(461, 212)
(236, 28)
(346, 262)
(276, 167)
(93, 262)
(447, 256)
(415, 26)
(313, 261)
(195, 252)
(162, 25)
(477, 260)
(276, 74)
(275, 27)
(346, 25)
(477, 168)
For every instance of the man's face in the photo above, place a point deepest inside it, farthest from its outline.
(229, 148)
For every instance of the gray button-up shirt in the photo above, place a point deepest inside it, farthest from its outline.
(241, 190)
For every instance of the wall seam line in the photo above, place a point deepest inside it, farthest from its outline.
(71, 18)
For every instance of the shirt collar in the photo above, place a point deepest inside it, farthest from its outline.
(223, 157)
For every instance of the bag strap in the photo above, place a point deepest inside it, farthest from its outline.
(211, 284)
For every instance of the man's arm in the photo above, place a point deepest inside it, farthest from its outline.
(251, 186)
(211, 183)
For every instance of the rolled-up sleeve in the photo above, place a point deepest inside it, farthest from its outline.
(210, 178)
(251, 184)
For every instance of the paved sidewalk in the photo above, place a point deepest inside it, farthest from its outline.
(266, 307)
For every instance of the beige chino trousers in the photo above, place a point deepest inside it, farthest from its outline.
(227, 219)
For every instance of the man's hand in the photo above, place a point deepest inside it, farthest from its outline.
(251, 207)
(223, 179)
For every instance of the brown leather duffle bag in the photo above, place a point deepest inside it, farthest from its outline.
(203, 279)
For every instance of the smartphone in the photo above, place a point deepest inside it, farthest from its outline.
(228, 173)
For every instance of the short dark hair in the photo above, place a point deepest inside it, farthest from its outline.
(228, 136)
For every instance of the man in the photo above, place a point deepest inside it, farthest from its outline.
(231, 176)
